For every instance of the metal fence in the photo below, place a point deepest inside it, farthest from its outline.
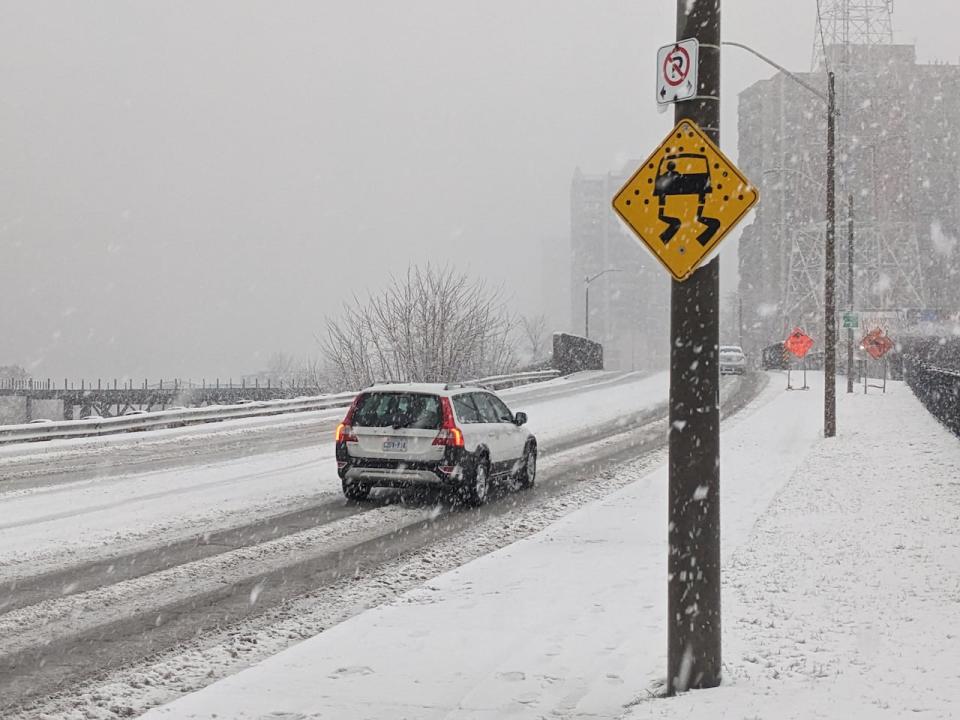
(938, 388)
(25, 384)
(931, 368)
(214, 413)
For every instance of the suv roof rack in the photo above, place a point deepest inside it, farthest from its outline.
(452, 386)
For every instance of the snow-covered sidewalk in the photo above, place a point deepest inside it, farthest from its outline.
(845, 602)
(841, 567)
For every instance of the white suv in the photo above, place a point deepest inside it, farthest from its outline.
(453, 437)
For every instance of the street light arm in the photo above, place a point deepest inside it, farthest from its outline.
(779, 67)
(589, 279)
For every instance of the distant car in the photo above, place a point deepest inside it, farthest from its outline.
(452, 437)
(39, 421)
(732, 360)
(134, 413)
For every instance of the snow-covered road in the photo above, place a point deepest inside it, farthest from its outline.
(43, 526)
(840, 559)
(102, 570)
(567, 623)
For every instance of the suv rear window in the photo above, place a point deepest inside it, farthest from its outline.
(400, 410)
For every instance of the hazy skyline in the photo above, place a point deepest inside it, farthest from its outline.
(190, 187)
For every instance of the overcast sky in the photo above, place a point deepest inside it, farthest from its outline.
(187, 187)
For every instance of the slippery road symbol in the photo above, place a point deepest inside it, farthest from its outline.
(684, 174)
(684, 198)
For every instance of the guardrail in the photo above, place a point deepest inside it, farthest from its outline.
(938, 388)
(215, 413)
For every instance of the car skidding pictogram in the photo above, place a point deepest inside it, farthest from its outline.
(684, 199)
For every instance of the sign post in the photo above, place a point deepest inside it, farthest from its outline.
(680, 204)
(693, 557)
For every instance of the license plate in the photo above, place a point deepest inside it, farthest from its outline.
(394, 445)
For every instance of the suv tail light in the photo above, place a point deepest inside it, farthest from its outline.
(449, 435)
(344, 431)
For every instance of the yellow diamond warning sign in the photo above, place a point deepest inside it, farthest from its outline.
(684, 199)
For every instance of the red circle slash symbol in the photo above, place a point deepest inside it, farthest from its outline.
(676, 66)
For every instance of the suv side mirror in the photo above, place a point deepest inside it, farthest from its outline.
(520, 418)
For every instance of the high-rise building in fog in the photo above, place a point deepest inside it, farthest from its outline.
(555, 283)
(630, 308)
(898, 138)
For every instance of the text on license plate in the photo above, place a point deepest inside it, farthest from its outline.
(394, 445)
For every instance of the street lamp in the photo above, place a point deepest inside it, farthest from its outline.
(586, 296)
(829, 277)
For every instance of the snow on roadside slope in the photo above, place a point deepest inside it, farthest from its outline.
(845, 602)
(562, 623)
(44, 527)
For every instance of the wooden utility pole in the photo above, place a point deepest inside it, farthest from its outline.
(830, 274)
(693, 615)
(850, 304)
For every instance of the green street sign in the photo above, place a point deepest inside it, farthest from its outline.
(851, 320)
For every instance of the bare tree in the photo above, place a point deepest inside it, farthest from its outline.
(281, 366)
(535, 335)
(315, 375)
(13, 372)
(430, 325)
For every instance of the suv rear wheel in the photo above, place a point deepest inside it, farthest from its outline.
(476, 487)
(354, 490)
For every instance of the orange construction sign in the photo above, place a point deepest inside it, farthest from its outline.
(799, 343)
(876, 343)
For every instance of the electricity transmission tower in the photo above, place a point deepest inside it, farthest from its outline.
(854, 39)
(843, 23)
